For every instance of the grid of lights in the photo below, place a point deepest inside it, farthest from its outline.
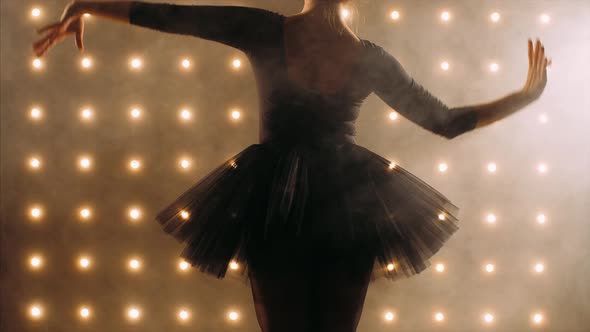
(134, 264)
(132, 313)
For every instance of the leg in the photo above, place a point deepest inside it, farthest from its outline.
(281, 298)
(339, 292)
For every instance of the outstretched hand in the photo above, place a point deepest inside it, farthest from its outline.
(537, 75)
(71, 22)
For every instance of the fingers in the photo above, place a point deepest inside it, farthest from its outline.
(46, 43)
(540, 60)
(40, 45)
(537, 61)
(545, 62)
(80, 34)
(79, 42)
(530, 53)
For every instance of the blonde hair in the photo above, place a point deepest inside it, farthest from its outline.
(351, 5)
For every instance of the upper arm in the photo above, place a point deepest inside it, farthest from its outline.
(392, 84)
(236, 26)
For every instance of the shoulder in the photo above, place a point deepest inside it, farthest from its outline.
(373, 49)
(262, 25)
(255, 13)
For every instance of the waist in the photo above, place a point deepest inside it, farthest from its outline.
(307, 139)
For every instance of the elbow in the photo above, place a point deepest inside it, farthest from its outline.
(452, 132)
(459, 124)
(449, 136)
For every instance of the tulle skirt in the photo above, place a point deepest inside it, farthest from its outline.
(271, 203)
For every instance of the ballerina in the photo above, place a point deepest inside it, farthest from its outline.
(311, 216)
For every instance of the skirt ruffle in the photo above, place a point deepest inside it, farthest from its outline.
(271, 203)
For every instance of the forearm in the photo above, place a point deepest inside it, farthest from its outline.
(493, 111)
(115, 10)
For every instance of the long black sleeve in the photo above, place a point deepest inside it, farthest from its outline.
(236, 26)
(400, 91)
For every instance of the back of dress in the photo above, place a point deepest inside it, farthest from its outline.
(307, 188)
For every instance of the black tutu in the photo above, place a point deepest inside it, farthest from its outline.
(271, 202)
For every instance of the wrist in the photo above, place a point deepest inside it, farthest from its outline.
(84, 7)
(525, 96)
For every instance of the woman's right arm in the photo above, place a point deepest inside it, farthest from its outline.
(240, 27)
(115, 10)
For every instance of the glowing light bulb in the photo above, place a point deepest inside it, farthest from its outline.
(36, 212)
(233, 315)
(135, 164)
(185, 114)
(543, 118)
(85, 213)
(492, 167)
(134, 264)
(389, 316)
(86, 62)
(86, 114)
(439, 316)
(537, 318)
(36, 311)
(37, 64)
(495, 17)
(35, 163)
(491, 218)
(185, 163)
(183, 315)
(133, 313)
(36, 114)
(84, 312)
(84, 262)
(136, 63)
(134, 213)
(183, 265)
(85, 162)
(36, 262)
(345, 13)
(135, 113)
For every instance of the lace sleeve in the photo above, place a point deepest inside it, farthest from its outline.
(236, 26)
(393, 85)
